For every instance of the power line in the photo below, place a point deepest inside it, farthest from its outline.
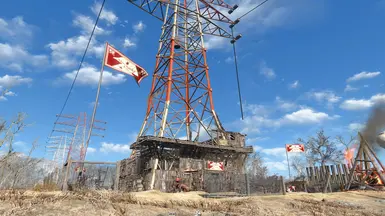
(259, 5)
(237, 74)
(80, 65)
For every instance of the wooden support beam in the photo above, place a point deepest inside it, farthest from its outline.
(283, 188)
(154, 173)
(117, 176)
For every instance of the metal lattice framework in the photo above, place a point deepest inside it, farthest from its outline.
(77, 127)
(180, 104)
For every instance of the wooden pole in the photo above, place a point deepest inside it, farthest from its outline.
(283, 188)
(65, 183)
(288, 163)
(116, 187)
(154, 173)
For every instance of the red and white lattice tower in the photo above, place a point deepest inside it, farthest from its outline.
(180, 104)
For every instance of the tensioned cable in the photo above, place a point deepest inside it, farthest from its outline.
(259, 5)
(237, 74)
(80, 65)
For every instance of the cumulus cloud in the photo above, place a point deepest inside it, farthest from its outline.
(258, 118)
(114, 148)
(89, 75)
(128, 43)
(106, 15)
(285, 105)
(356, 126)
(139, 27)
(91, 150)
(87, 24)
(329, 97)
(294, 85)
(267, 71)
(8, 81)
(363, 75)
(16, 58)
(306, 116)
(350, 88)
(362, 104)
(65, 52)
(15, 30)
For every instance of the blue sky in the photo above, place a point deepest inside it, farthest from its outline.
(304, 65)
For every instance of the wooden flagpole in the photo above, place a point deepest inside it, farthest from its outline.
(96, 102)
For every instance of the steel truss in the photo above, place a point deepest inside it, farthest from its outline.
(180, 104)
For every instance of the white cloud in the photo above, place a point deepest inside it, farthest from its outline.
(325, 96)
(355, 126)
(87, 25)
(89, 75)
(8, 81)
(16, 58)
(294, 85)
(285, 105)
(276, 165)
(229, 60)
(361, 104)
(306, 116)
(139, 27)
(254, 123)
(350, 88)
(107, 15)
(128, 43)
(64, 53)
(275, 14)
(91, 150)
(15, 30)
(214, 42)
(115, 148)
(363, 75)
(266, 71)
(277, 152)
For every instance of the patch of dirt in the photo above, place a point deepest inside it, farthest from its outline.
(150, 203)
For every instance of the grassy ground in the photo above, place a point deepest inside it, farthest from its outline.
(86, 203)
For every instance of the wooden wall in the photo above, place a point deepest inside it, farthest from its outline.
(339, 174)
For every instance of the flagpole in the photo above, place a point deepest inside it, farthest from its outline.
(288, 163)
(96, 103)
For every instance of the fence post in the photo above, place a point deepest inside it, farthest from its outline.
(65, 182)
(327, 185)
(116, 187)
(282, 185)
(247, 184)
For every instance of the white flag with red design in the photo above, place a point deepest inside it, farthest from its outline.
(117, 61)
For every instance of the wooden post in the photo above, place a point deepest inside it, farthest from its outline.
(247, 184)
(65, 183)
(283, 188)
(340, 174)
(154, 173)
(117, 176)
(334, 179)
(312, 174)
(327, 185)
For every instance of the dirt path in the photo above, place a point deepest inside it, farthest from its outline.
(150, 203)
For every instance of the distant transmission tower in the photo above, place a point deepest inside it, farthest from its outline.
(77, 127)
(180, 104)
(56, 148)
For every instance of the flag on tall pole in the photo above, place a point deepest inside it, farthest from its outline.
(117, 61)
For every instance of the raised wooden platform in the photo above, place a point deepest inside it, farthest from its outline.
(148, 141)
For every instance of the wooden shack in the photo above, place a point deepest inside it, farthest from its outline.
(214, 165)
